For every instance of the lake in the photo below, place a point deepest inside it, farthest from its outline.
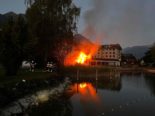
(123, 94)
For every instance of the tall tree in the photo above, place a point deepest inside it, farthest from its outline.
(153, 52)
(52, 23)
(13, 44)
(150, 55)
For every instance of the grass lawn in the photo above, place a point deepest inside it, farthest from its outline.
(39, 74)
(24, 74)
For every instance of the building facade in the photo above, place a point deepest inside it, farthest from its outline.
(107, 55)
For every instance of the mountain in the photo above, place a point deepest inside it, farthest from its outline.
(6, 16)
(10, 14)
(137, 51)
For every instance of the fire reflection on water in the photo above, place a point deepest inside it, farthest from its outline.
(87, 97)
(87, 92)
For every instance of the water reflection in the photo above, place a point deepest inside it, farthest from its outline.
(126, 94)
(110, 83)
(86, 97)
(86, 90)
(121, 94)
(57, 107)
(150, 81)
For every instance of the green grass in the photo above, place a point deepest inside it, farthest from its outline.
(39, 74)
(24, 74)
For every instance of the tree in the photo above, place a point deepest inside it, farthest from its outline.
(13, 43)
(153, 52)
(150, 55)
(52, 23)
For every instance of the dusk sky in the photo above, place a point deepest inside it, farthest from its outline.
(128, 22)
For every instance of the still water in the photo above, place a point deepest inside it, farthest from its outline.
(128, 95)
(121, 95)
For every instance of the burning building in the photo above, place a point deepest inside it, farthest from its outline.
(84, 52)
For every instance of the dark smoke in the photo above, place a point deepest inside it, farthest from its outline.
(128, 22)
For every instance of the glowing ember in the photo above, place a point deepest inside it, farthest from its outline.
(83, 85)
(82, 58)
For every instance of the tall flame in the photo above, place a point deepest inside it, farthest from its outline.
(81, 53)
(82, 58)
(83, 85)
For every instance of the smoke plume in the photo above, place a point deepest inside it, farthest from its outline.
(128, 22)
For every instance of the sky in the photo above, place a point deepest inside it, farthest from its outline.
(127, 22)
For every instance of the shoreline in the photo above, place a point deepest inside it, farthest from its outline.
(136, 69)
(150, 70)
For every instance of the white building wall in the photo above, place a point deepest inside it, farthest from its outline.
(112, 56)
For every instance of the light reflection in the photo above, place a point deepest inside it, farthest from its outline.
(87, 97)
(87, 91)
(43, 96)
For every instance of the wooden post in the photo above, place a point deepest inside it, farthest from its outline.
(77, 75)
(77, 85)
(96, 75)
(77, 80)
(96, 86)
(96, 79)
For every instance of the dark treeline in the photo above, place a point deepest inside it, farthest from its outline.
(149, 57)
(44, 33)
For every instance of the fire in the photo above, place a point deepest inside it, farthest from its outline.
(83, 85)
(81, 53)
(82, 58)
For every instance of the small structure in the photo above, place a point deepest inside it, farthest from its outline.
(142, 63)
(128, 59)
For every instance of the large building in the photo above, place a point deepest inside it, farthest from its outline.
(107, 55)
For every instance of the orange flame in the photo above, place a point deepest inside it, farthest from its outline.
(81, 53)
(82, 58)
(83, 85)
